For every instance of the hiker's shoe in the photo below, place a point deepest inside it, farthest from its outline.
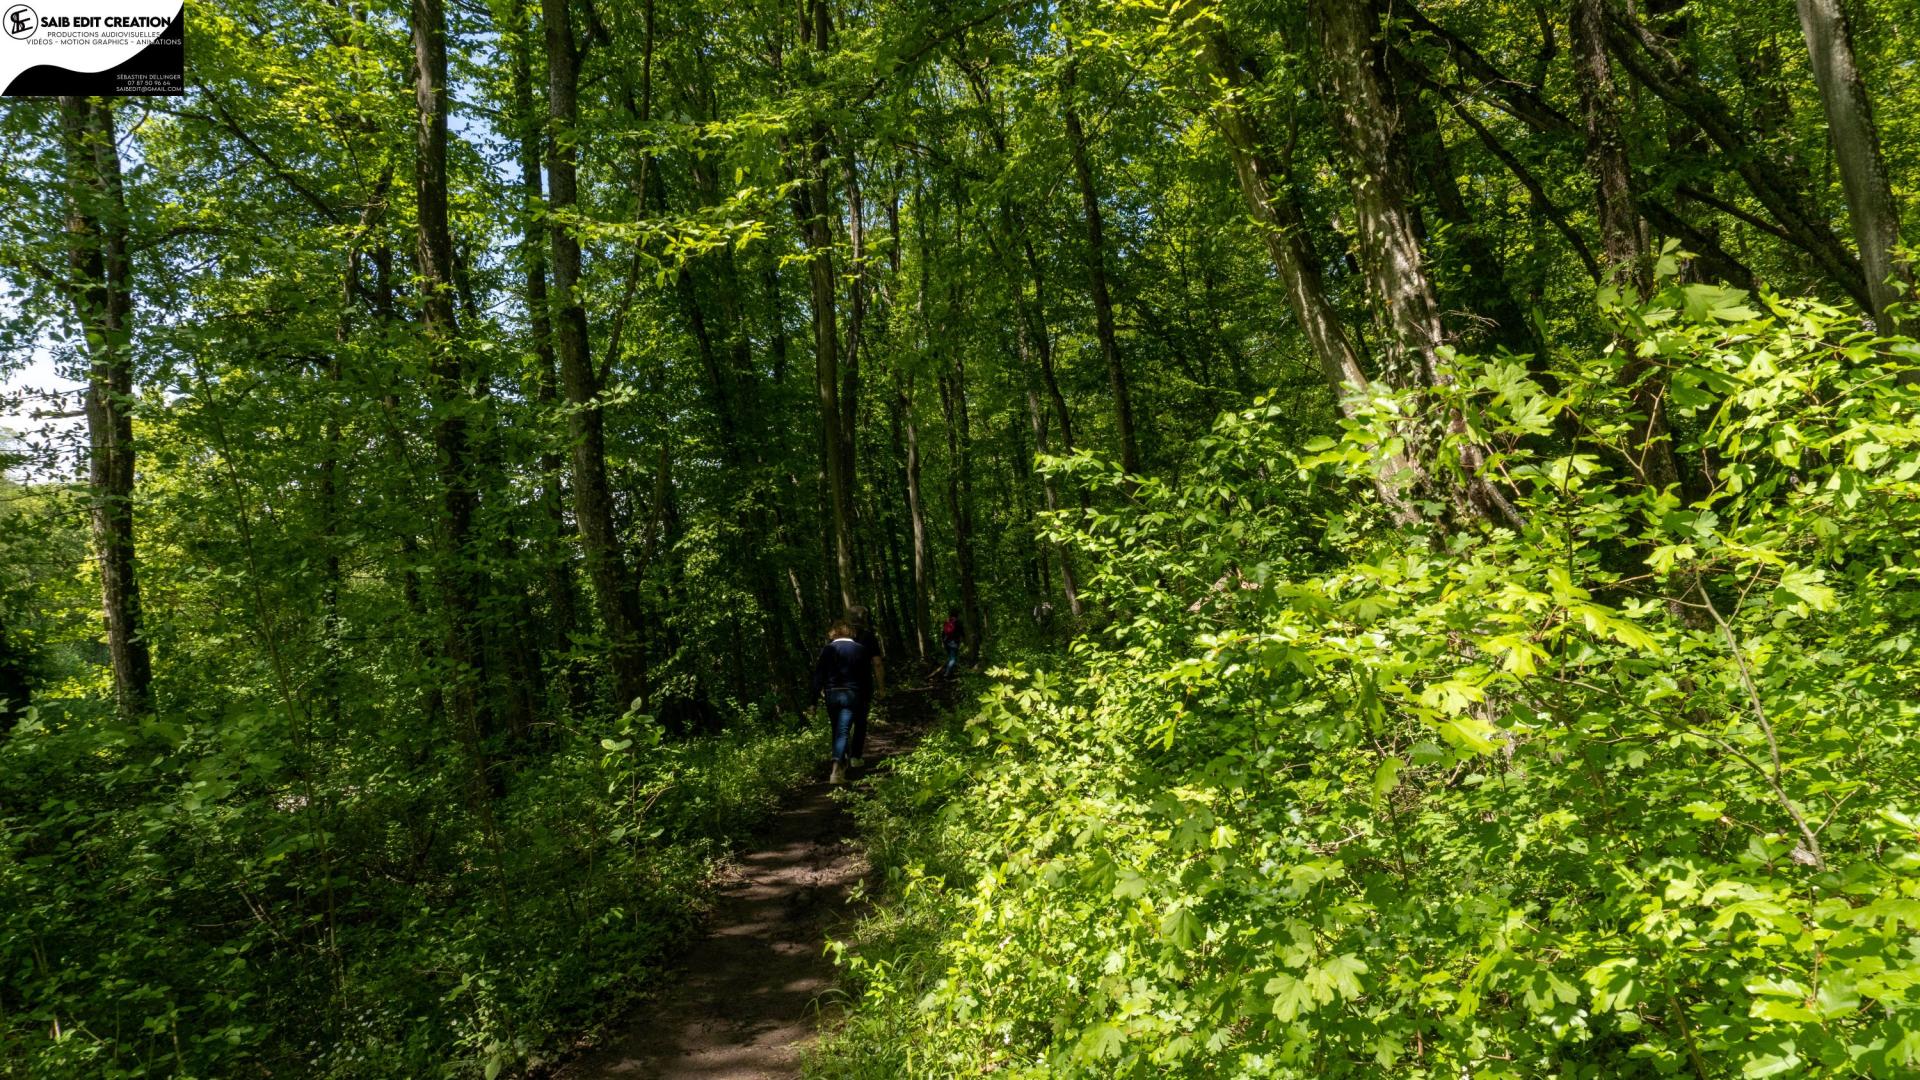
(858, 763)
(839, 773)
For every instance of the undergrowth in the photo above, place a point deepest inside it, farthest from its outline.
(1627, 791)
(430, 950)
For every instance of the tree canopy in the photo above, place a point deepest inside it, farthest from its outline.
(1430, 490)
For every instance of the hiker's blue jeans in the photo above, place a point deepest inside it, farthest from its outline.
(953, 657)
(841, 706)
(857, 746)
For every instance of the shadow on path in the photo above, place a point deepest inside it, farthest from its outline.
(743, 1002)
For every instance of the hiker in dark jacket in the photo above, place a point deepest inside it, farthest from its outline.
(843, 675)
(861, 620)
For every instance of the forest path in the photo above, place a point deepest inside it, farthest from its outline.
(742, 1003)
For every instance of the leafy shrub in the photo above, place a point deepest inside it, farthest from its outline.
(174, 901)
(1629, 792)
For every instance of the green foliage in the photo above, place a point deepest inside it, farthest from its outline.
(180, 898)
(1630, 792)
(1625, 787)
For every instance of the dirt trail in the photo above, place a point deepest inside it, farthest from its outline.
(743, 1002)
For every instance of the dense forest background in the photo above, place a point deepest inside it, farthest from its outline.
(1431, 489)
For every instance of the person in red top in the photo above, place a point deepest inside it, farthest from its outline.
(951, 635)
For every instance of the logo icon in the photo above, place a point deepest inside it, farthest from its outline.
(22, 21)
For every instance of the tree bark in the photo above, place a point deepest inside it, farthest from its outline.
(917, 516)
(447, 377)
(856, 314)
(1779, 187)
(1281, 229)
(1048, 376)
(953, 401)
(1623, 241)
(561, 589)
(100, 288)
(1863, 168)
(1035, 341)
(1097, 279)
(1069, 584)
(1389, 245)
(614, 594)
(812, 205)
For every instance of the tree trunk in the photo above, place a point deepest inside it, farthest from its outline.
(447, 376)
(916, 513)
(953, 402)
(812, 205)
(1623, 243)
(1856, 147)
(856, 315)
(1097, 280)
(1278, 220)
(1069, 585)
(1042, 347)
(100, 287)
(905, 628)
(1389, 245)
(614, 594)
(558, 563)
(1048, 377)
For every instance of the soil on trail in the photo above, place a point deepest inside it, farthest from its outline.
(744, 1000)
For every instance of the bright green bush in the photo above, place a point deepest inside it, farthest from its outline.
(1630, 793)
(168, 908)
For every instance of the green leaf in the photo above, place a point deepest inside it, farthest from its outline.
(1338, 977)
(1386, 777)
(1102, 1040)
(1291, 996)
(1181, 926)
(1805, 585)
(1469, 732)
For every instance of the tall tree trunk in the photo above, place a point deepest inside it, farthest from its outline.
(561, 589)
(100, 287)
(953, 402)
(1277, 216)
(1035, 341)
(1069, 585)
(447, 374)
(1863, 169)
(1048, 377)
(1097, 279)
(1389, 245)
(1623, 242)
(910, 620)
(813, 205)
(614, 594)
(856, 313)
(917, 516)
